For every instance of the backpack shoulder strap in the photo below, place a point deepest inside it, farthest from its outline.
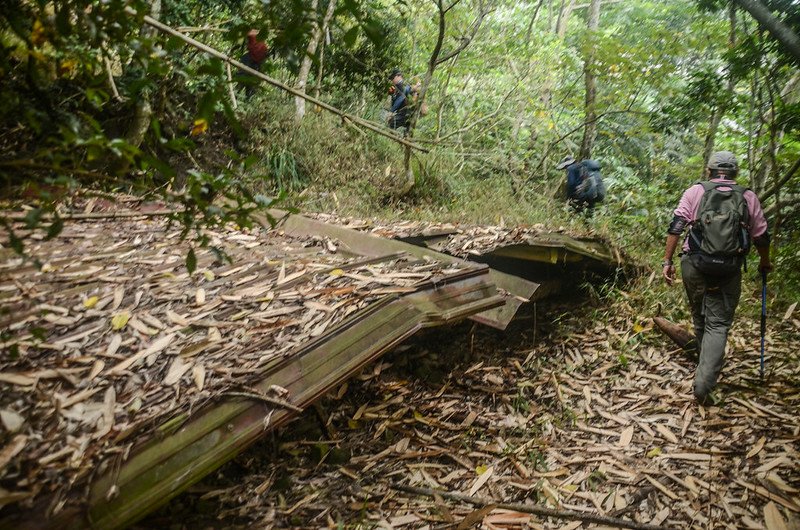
(707, 184)
(740, 191)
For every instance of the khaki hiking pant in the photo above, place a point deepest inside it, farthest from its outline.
(713, 303)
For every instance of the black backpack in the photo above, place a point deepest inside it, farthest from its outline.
(591, 188)
(719, 239)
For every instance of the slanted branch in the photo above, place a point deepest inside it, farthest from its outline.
(528, 508)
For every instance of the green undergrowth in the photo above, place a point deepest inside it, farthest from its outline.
(327, 166)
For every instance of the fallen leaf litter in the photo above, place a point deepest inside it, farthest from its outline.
(595, 419)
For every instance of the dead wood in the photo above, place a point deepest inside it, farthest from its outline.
(527, 508)
(679, 336)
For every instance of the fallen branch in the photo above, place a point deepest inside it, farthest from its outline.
(527, 508)
(266, 399)
(96, 215)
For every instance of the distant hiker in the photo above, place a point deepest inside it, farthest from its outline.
(585, 186)
(402, 100)
(256, 53)
(723, 220)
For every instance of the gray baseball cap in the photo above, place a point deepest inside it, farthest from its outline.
(566, 161)
(723, 160)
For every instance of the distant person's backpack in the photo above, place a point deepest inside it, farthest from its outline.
(591, 188)
(719, 239)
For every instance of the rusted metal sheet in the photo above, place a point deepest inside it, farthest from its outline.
(547, 248)
(361, 243)
(190, 447)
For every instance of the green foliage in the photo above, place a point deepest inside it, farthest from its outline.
(65, 131)
(282, 171)
(502, 112)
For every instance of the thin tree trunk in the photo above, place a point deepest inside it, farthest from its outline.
(231, 91)
(777, 28)
(320, 71)
(426, 81)
(436, 59)
(719, 110)
(529, 31)
(443, 99)
(751, 133)
(790, 94)
(590, 130)
(317, 31)
(560, 29)
(563, 17)
(143, 111)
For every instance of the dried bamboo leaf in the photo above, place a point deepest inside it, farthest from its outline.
(773, 519)
(12, 449)
(157, 346)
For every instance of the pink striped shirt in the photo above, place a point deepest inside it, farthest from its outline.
(690, 204)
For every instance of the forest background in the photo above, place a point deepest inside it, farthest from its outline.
(95, 101)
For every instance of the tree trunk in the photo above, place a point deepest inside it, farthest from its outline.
(436, 59)
(590, 129)
(143, 111)
(317, 31)
(443, 100)
(563, 17)
(779, 31)
(719, 110)
(790, 94)
(325, 41)
(529, 31)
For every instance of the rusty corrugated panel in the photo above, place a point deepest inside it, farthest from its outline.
(561, 248)
(191, 447)
(362, 243)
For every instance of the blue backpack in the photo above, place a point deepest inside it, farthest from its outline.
(591, 188)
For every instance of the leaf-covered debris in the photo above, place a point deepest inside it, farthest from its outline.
(461, 240)
(112, 336)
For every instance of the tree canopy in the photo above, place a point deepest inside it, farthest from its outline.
(95, 99)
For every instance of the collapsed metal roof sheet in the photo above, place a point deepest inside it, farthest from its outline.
(133, 378)
(518, 290)
(534, 243)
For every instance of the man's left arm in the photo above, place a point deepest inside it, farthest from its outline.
(673, 238)
(759, 231)
(680, 220)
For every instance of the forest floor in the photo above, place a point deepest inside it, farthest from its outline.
(572, 408)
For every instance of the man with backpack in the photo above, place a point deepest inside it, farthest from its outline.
(403, 100)
(724, 220)
(585, 186)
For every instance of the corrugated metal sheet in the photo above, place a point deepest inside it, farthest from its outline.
(192, 446)
(361, 243)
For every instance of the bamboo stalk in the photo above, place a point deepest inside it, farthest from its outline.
(96, 215)
(231, 91)
(532, 509)
(150, 21)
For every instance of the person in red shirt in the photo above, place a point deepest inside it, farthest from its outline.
(256, 53)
